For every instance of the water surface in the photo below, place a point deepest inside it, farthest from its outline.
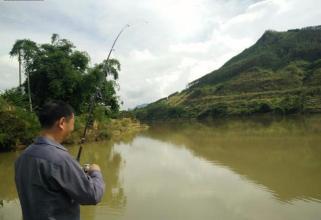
(259, 168)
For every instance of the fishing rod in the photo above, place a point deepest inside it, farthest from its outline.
(97, 95)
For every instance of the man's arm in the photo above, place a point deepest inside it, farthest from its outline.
(86, 189)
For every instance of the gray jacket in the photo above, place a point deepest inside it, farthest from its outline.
(52, 185)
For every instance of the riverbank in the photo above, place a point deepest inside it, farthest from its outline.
(111, 129)
(18, 127)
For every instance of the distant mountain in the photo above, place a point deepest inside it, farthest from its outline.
(280, 74)
(141, 106)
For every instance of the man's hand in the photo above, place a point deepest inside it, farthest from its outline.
(93, 167)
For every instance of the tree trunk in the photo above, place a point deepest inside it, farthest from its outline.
(19, 59)
(29, 93)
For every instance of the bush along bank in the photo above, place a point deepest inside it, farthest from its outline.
(18, 127)
(107, 129)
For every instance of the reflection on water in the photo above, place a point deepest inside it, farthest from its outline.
(284, 156)
(259, 168)
(114, 199)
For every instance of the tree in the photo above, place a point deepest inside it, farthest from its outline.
(55, 72)
(25, 50)
(98, 76)
(111, 67)
(58, 71)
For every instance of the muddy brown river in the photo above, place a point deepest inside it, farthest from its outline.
(238, 169)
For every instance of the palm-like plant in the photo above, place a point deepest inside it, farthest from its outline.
(111, 67)
(25, 50)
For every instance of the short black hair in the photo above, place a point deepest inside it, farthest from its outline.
(53, 111)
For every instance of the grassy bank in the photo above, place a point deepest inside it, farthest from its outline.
(108, 129)
(18, 127)
(285, 102)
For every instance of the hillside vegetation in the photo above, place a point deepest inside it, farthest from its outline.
(279, 74)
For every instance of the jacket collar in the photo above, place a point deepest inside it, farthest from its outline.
(45, 140)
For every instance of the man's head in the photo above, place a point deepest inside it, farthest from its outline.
(57, 118)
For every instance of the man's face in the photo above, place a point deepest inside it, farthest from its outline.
(70, 124)
(66, 125)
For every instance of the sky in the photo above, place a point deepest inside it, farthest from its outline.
(168, 43)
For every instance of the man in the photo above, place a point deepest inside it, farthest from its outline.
(50, 183)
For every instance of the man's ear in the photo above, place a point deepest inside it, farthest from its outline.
(61, 122)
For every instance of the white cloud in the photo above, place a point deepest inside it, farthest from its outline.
(8, 61)
(141, 55)
(8, 72)
(194, 47)
(169, 43)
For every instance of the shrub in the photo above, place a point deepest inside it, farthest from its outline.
(264, 108)
(196, 93)
(290, 105)
(17, 127)
(161, 111)
(16, 98)
(218, 110)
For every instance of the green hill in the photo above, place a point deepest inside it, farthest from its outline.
(279, 74)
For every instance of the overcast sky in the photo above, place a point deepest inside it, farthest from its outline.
(169, 43)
